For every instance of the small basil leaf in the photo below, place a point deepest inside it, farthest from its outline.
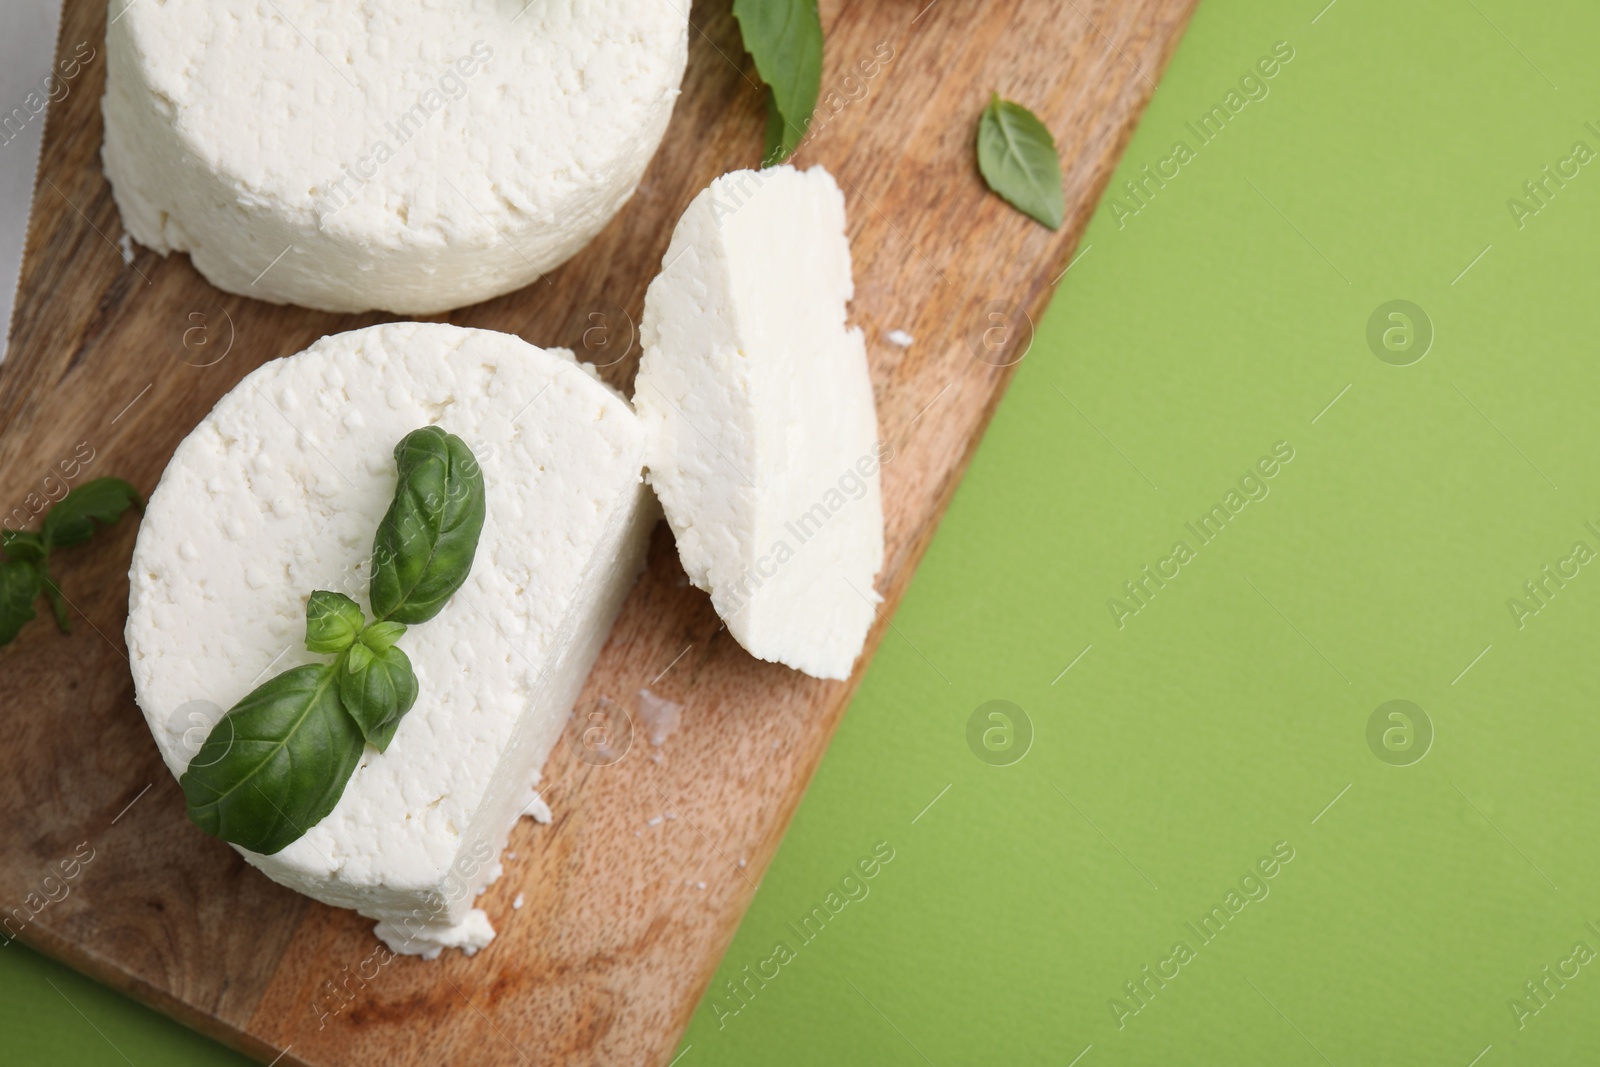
(426, 542)
(358, 657)
(784, 37)
(377, 688)
(71, 522)
(380, 635)
(332, 621)
(20, 544)
(1018, 159)
(276, 764)
(19, 588)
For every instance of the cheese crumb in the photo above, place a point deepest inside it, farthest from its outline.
(537, 810)
(662, 716)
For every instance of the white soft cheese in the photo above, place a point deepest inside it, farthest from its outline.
(409, 155)
(764, 441)
(278, 492)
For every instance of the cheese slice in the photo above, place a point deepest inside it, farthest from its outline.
(758, 401)
(278, 492)
(409, 155)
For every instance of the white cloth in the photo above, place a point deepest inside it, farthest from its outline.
(27, 53)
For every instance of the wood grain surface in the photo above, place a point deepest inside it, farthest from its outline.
(119, 358)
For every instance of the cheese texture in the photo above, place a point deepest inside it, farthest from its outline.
(278, 492)
(757, 398)
(408, 155)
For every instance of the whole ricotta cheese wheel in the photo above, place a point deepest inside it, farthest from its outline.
(407, 155)
(758, 402)
(279, 491)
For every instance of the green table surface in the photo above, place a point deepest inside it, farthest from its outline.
(1222, 842)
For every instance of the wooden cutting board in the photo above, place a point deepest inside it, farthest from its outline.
(115, 358)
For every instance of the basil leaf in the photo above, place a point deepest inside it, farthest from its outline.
(784, 37)
(380, 738)
(29, 550)
(19, 588)
(1018, 159)
(427, 540)
(333, 621)
(377, 688)
(276, 764)
(380, 635)
(71, 521)
(19, 544)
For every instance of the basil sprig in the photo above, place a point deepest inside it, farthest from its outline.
(1017, 157)
(277, 763)
(25, 573)
(784, 37)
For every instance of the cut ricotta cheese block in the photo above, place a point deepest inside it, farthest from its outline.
(279, 491)
(409, 155)
(756, 395)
